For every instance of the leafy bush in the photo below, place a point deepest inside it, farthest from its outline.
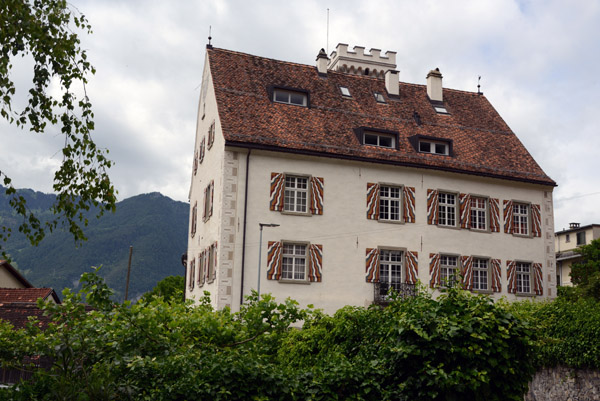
(458, 346)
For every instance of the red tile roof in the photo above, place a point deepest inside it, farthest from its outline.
(25, 295)
(482, 142)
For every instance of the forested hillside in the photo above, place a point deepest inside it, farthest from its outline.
(155, 225)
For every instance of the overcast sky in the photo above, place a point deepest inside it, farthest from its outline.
(538, 61)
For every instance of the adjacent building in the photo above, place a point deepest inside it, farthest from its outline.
(566, 242)
(331, 183)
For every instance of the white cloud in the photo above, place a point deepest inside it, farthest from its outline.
(537, 60)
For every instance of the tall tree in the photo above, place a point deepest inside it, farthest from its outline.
(45, 31)
(586, 274)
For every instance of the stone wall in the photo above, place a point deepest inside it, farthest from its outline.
(564, 384)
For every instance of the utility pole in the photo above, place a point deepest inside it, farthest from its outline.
(128, 272)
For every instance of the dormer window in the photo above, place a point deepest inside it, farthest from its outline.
(379, 97)
(435, 147)
(345, 91)
(290, 97)
(379, 139)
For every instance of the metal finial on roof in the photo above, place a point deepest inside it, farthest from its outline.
(209, 45)
(478, 85)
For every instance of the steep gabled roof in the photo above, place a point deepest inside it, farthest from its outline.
(18, 314)
(482, 142)
(13, 272)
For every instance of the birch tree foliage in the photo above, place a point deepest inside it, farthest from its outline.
(46, 32)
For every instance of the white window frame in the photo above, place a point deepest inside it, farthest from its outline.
(295, 199)
(345, 91)
(523, 272)
(481, 274)
(391, 265)
(294, 264)
(446, 209)
(521, 218)
(286, 96)
(478, 213)
(448, 270)
(390, 202)
(379, 136)
(433, 147)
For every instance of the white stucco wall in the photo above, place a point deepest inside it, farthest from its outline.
(345, 233)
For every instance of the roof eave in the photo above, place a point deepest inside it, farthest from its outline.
(250, 145)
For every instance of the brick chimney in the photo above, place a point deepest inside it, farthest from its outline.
(434, 85)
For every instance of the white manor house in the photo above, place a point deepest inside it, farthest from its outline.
(343, 182)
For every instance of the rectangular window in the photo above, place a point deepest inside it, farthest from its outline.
(293, 262)
(208, 201)
(480, 274)
(478, 213)
(390, 199)
(521, 218)
(568, 238)
(447, 209)
(290, 97)
(448, 270)
(440, 109)
(379, 139)
(438, 148)
(523, 271)
(296, 194)
(581, 238)
(390, 270)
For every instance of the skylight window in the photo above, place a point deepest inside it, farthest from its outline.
(345, 91)
(289, 97)
(440, 109)
(438, 148)
(379, 139)
(379, 97)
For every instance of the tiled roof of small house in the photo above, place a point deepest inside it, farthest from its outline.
(18, 314)
(482, 143)
(26, 295)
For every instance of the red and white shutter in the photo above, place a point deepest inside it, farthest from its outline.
(315, 265)
(432, 206)
(316, 199)
(409, 204)
(465, 210)
(274, 260)
(494, 215)
(372, 201)
(277, 189)
(201, 267)
(435, 279)
(508, 216)
(372, 265)
(511, 276)
(467, 272)
(213, 248)
(536, 221)
(496, 271)
(538, 279)
(412, 267)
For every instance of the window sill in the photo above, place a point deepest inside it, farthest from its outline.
(306, 214)
(291, 281)
(525, 294)
(401, 221)
(483, 231)
(522, 235)
(450, 227)
(484, 292)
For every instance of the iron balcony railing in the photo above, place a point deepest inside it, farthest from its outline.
(382, 291)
